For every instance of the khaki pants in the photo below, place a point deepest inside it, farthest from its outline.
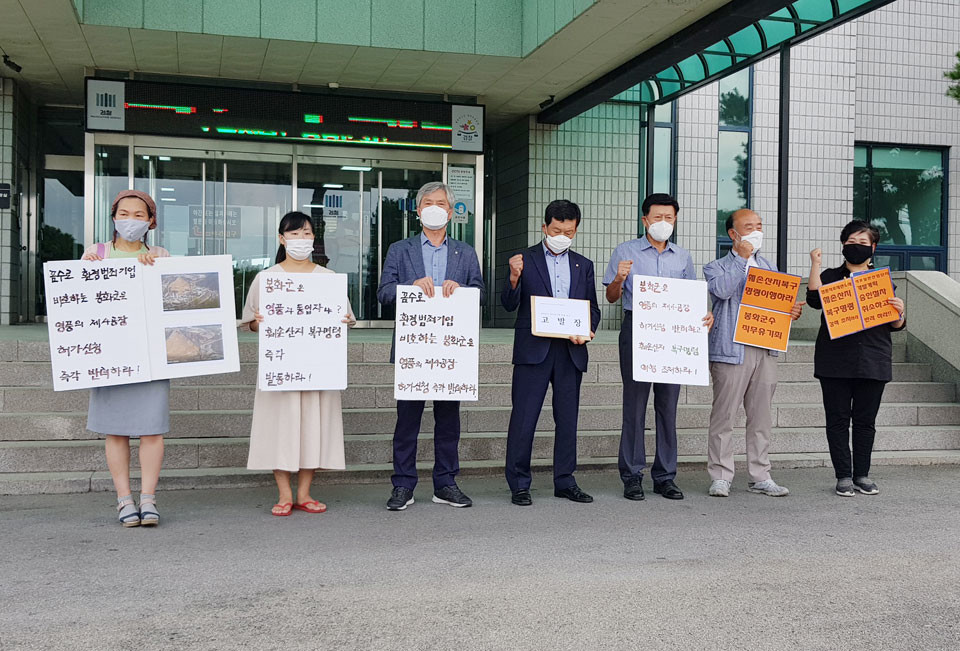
(751, 384)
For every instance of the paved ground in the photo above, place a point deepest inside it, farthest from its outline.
(810, 571)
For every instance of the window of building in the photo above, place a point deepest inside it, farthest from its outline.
(733, 150)
(664, 154)
(902, 191)
(664, 150)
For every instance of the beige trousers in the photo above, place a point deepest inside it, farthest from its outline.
(751, 384)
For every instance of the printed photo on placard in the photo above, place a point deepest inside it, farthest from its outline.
(194, 343)
(190, 291)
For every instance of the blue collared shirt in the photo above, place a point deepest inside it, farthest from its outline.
(558, 268)
(434, 259)
(674, 262)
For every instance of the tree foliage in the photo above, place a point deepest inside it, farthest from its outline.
(954, 75)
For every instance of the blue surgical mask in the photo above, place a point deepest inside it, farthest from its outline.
(132, 230)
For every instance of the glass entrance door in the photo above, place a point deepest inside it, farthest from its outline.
(211, 201)
(214, 203)
(338, 201)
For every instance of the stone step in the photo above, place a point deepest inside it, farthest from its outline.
(25, 374)
(379, 351)
(203, 423)
(77, 456)
(30, 483)
(26, 400)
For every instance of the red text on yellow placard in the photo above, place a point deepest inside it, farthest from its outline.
(762, 328)
(770, 290)
(840, 308)
(874, 291)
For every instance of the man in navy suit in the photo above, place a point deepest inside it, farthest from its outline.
(428, 260)
(548, 268)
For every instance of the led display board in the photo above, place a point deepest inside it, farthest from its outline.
(193, 111)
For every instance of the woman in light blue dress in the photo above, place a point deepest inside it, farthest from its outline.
(140, 410)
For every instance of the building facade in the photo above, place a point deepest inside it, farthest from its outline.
(872, 135)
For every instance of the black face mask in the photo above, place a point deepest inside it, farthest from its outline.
(857, 253)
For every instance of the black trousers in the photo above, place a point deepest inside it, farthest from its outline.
(529, 390)
(446, 441)
(846, 400)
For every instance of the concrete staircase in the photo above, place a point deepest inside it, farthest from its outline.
(44, 447)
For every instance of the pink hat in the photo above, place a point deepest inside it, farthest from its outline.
(142, 196)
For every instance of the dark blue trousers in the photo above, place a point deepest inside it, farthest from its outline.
(633, 457)
(446, 439)
(528, 392)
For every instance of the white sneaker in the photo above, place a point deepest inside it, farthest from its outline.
(720, 488)
(768, 487)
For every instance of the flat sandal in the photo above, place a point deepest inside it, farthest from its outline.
(127, 512)
(149, 516)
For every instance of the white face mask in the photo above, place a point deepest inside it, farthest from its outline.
(131, 229)
(660, 231)
(433, 217)
(299, 249)
(558, 243)
(755, 238)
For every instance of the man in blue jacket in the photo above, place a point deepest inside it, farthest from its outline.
(548, 268)
(428, 260)
(742, 375)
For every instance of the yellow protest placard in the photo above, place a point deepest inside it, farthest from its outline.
(770, 290)
(764, 318)
(763, 328)
(840, 308)
(874, 291)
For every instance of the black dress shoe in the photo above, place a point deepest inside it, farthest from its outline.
(668, 489)
(574, 494)
(633, 490)
(522, 498)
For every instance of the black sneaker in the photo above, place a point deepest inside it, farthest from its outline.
(845, 487)
(574, 494)
(400, 499)
(451, 495)
(633, 490)
(865, 485)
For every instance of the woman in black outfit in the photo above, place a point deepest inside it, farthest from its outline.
(854, 369)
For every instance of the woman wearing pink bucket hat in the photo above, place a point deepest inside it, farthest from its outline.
(140, 410)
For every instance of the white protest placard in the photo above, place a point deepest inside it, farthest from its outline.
(669, 338)
(559, 317)
(191, 316)
(96, 322)
(118, 321)
(437, 344)
(303, 340)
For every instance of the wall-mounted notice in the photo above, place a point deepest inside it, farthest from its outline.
(858, 303)
(461, 180)
(764, 319)
(117, 321)
(669, 338)
(303, 340)
(559, 317)
(437, 344)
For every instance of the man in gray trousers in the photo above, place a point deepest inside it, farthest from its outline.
(651, 255)
(741, 374)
